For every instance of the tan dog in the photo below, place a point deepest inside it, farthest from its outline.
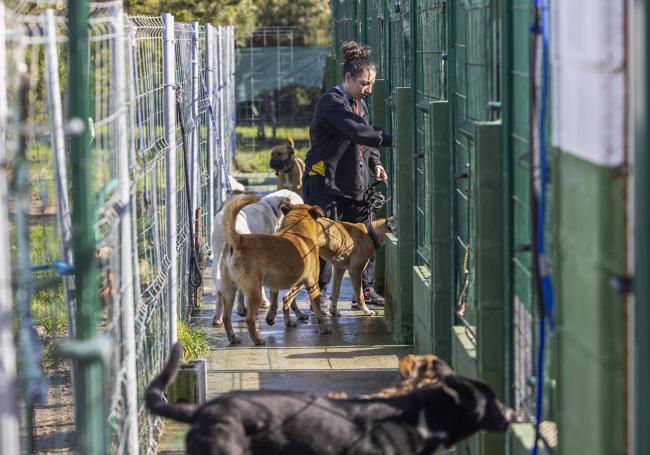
(416, 370)
(349, 246)
(288, 167)
(281, 261)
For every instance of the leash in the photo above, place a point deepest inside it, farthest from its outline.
(374, 198)
(372, 234)
(195, 278)
(543, 281)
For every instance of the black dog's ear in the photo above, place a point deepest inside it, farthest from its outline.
(316, 212)
(442, 369)
(291, 146)
(285, 207)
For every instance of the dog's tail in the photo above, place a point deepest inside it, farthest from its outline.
(229, 219)
(183, 412)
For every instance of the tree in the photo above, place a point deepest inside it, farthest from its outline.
(242, 14)
(312, 16)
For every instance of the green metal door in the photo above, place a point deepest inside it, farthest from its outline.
(398, 72)
(522, 309)
(518, 266)
(472, 82)
(429, 68)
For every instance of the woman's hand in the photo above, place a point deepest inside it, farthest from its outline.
(380, 173)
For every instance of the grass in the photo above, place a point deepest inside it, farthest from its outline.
(195, 343)
(248, 133)
(48, 303)
(253, 154)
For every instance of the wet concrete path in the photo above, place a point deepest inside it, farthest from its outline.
(359, 356)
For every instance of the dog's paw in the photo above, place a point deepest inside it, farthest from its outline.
(241, 312)
(335, 312)
(217, 322)
(265, 304)
(290, 323)
(260, 342)
(325, 329)
(370, 312)
(235, 340)
(270, 321)
(302, 317)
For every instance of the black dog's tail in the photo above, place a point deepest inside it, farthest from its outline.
(183, 412)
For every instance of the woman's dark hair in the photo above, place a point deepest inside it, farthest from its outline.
(356, 59)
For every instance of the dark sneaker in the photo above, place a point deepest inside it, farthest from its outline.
(371, 297)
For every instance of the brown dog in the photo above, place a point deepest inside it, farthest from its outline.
(288, 167)
(416, 370)
(281, 261)
(347, 246)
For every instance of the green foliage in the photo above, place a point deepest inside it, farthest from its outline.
(312, 16)
(242, 14)
(195, 343)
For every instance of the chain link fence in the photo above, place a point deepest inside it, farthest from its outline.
(162, 141)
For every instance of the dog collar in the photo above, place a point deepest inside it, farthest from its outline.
(372, 234)
(293, 161)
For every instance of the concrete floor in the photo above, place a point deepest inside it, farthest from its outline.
(359, 356)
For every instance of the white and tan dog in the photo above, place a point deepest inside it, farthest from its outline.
(263, 217)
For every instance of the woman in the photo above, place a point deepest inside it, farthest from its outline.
(344, 152)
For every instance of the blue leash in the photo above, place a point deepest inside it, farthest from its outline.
(545, 279)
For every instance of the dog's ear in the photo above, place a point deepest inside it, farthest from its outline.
(405, 366)
(291, 146)
(316, 212)
(285, 207)
(441, 369)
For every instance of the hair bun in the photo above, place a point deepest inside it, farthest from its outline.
(354, 51)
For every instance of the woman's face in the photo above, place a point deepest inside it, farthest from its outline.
(360, 86)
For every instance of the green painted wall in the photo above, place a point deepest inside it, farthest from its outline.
(590, 318)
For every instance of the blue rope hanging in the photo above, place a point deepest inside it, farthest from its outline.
(545, 281)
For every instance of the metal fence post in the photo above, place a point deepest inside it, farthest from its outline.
(232, 104)
(9, 420)
(220, 112)
(125, 246)
(90, 402)
(58, 145)
(169, 119)
(196, 121)
(209, 81)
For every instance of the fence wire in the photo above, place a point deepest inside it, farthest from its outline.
(131, 180)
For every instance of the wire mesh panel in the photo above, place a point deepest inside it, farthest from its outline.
(375, 34)
(130, 181)
(38, 222)
(149, 208)
(279, 78)
(430, 85)
(471, 84)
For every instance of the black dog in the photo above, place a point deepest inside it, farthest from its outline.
(283, 422)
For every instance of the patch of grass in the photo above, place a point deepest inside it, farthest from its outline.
(247, 160)
(249, 133)
(195, 343)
